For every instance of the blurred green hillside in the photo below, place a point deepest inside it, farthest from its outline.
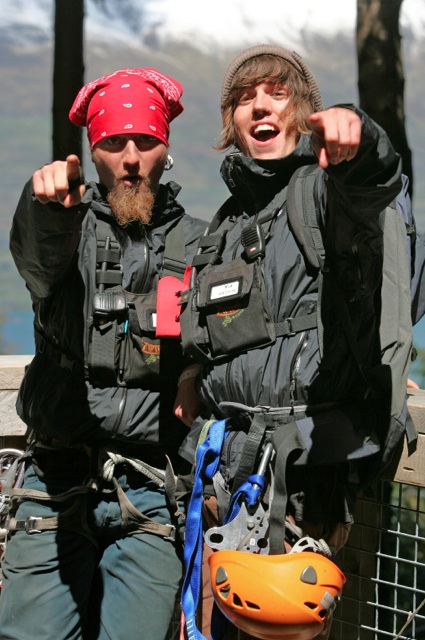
(25, 110)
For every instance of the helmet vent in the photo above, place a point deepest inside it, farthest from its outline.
(311, 605)
(224, 591)
(236, 600)
(252, 605)
(221, 575)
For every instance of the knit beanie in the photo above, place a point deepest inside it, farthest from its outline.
(268, 49)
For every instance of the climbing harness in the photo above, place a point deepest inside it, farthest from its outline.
(73, 518)
(11, 476)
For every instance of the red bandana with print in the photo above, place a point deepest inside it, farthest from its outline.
(142, 101)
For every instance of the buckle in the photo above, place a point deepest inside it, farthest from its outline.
(29, 525)
(288, 322)
(4, 504)
(172, 533)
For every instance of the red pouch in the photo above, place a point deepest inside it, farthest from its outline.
(167, 305)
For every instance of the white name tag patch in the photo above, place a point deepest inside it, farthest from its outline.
(225, 290)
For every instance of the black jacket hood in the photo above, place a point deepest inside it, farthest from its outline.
(253, 182)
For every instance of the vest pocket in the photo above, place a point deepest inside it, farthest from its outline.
(233, 305)
(123, 348)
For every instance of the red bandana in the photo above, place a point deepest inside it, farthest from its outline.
(128, 101)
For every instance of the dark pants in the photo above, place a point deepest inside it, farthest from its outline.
(94, 582)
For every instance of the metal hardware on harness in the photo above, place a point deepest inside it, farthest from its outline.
(172, 535)
(4, 504)
(11, 475)
(12, 468)
(248, 530)
(311, 544)
(30, 526)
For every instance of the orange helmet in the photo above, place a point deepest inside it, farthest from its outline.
(279, 596)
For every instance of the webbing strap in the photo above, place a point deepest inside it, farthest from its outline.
(207, 460)
(289, 326)
(109, 278)
(134, 521)
(73, 519)
(103, 354)
(287, 441)
(250, 492)
(174, 262)
(165, 479)
(56, 355)
(250, 450)
(34, 494)
(108, 255)
(302, 215)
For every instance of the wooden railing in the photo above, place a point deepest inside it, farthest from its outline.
(12, 429)
(410, 469)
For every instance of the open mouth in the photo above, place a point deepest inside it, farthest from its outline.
(132, 181)
(264, 132)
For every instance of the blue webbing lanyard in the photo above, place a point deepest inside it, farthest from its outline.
(207, 461)
(249, 491)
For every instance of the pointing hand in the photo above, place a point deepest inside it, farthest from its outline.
(52, 181)
(336, 134)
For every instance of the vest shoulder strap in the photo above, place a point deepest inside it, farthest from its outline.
(302, 214)
(108, 256)
(174, 262)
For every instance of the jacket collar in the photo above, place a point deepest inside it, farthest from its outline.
(254, 182)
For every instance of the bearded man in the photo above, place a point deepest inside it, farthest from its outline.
(94, 549)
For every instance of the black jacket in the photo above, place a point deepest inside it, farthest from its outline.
(350, 196)
(55, 252)
(291, 378)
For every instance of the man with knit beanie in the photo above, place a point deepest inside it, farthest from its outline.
(95, 547)
(252, 271)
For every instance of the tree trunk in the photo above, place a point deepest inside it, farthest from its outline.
(380, 69)
(68, 76)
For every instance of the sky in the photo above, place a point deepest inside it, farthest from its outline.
(218, 22)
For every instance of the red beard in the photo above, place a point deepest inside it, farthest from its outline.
(132, 204)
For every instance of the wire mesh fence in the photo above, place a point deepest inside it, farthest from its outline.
(384, 561)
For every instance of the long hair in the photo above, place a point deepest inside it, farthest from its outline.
(267, 68)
